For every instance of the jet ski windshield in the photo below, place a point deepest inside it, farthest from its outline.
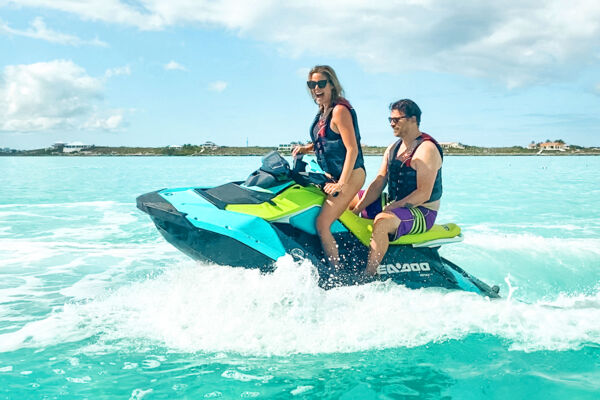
(305, 178)
(274, 171)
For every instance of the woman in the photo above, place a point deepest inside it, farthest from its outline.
(336, 143)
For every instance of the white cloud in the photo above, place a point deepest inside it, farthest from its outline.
(109, 123)
(303, 72)
(38, 30)
(124, 70)
(218, 86)
(52, 95)
(515, 41)
(174, 66)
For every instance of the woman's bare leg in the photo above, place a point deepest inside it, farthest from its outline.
(332, 208)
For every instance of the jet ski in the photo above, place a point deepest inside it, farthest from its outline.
(272, 213)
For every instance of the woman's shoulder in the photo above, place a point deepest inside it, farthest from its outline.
(341, 108)
(342, 102)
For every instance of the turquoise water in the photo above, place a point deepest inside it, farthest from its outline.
(95, 304)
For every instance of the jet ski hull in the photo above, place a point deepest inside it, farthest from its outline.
(414, 267)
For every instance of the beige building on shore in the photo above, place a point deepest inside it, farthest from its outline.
(551, 146)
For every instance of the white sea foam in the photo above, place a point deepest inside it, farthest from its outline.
(194, 307)
(27, 286)
(83, 379)
(76, 262)
(112, 218)
(130, 365)
(139, 394)
(87, 204)
(301, 389)
(530, 243)
(239, 376)
(6, 214)
(24, 252)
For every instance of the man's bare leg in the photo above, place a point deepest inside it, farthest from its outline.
(385, 223)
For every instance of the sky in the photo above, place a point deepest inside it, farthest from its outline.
(165, 72)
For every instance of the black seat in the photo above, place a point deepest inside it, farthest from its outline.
(233, 193)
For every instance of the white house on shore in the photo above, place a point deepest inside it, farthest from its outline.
(285, 148)
(71, 147)
(288, 147)
(209, 145)
(451, 145)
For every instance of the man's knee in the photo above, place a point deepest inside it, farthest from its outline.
(383, 223)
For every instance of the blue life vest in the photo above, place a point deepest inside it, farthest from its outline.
(402, 178)
(328, 145)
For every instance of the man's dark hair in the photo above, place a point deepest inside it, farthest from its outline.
(408, 108)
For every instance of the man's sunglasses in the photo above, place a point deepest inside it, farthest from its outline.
(395, 120)
(313, 84)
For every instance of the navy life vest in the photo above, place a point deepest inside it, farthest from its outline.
(328, 145)
(402, 178)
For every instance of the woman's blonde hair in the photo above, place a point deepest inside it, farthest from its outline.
(326, 70)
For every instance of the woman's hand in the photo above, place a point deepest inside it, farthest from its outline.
(302, 149)
(333, 188)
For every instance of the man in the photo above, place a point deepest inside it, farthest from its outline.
(412, 170)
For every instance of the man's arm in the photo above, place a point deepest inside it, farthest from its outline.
(426, 161)
(376, 186)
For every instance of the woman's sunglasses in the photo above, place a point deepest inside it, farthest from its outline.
(313, 84)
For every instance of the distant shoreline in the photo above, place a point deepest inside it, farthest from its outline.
(199, 151)
(580, 154)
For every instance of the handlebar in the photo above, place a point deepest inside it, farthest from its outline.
(304, 178)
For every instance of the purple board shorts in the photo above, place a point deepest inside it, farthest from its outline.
(413, 220)
(374, 208)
